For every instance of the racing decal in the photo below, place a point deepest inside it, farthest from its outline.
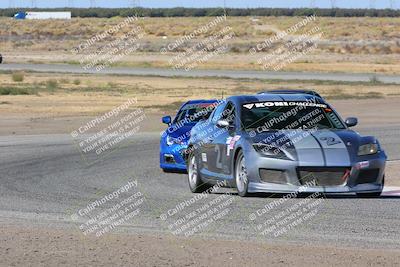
(204, 157)
(362, 165)
(330, 141)
(230, 141)
(284, 104)
(248, 106)
(334, 149)
(218, 162)
(198, 105)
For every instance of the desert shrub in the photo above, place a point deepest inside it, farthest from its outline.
(18, 76)
(16, 91)
(65, 81)
(51, 84)
(374, 80)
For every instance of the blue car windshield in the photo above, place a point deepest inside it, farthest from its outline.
(193, 113)
(289, 115)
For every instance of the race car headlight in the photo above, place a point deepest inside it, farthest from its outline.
(270, 151)
(171, 141)
(368, 149)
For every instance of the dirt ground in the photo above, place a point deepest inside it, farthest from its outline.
(37, 246)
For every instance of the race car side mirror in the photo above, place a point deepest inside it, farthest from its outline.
(350, 122)
(166, 119)
(224, 124)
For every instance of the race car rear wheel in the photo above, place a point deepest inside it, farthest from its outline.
(241, 179)
(195, 183)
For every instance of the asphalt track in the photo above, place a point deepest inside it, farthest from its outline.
(43, 180)
(168, 72)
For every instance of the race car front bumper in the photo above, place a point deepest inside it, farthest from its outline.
(274, 188)
(284, 176)
(171, 158)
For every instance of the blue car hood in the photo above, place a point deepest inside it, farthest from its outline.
(182, 132)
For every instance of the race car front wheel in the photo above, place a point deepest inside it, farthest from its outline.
(242, 182)
(195, 183)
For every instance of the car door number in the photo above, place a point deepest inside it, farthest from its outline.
(219, 157)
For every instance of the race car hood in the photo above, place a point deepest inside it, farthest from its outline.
(314, 147)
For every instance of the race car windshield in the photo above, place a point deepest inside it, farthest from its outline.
(193, 113)
(267, 116)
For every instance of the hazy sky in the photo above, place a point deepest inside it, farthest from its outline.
(202, 3)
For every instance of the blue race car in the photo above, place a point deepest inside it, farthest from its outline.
(174, 139)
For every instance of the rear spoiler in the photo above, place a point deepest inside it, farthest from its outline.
(308, 92)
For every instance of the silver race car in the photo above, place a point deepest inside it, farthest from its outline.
(283, 141)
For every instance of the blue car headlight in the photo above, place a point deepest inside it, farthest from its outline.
(368, 149)
(172, 140)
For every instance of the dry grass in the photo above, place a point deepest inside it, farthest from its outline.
(97, 94)
(365, 28)
(349, 44)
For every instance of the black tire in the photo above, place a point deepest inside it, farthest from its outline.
(1, 59)
(196, 184)
(372, 194)
(241, 179)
